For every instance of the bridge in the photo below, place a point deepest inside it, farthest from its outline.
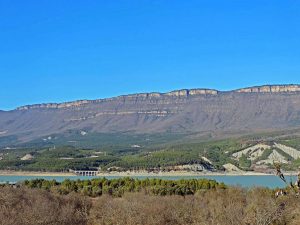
(89, 173)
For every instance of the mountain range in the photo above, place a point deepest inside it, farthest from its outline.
(249, 110)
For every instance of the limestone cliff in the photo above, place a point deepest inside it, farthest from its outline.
(270, 89)
(184, 93)
(178, 93)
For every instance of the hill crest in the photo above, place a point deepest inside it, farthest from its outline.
(290, 88)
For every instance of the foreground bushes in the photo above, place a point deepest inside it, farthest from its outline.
(232, 206)
(148, 202)
(23, 206)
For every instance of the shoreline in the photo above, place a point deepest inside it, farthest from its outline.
(137, 174)
(182, 174)
(33, 173)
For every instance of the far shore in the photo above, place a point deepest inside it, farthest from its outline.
(35, 173)
(139, 174)
(182, 174)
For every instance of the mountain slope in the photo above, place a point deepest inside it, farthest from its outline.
(183, 111)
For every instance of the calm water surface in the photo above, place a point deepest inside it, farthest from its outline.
(244, 181)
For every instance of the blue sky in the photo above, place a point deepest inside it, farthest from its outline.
(59, 50)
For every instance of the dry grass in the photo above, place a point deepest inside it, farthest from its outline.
(24, 206)
(220, 207)
(232, 206)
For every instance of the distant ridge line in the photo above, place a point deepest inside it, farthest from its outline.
(287, 88)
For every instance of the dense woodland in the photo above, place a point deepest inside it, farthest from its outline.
(118, 187)
(69, 203)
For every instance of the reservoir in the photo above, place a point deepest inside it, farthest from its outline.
(270, 181)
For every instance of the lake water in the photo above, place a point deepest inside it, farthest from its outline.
(244, 181)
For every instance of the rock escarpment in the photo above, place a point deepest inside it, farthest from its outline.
(178, 93)
(154, 95)
(271, 89)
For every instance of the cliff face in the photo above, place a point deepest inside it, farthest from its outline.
(178, 93)
(271, 89)
(155, 95)
(194, 110)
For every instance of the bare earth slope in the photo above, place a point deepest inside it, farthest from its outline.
(196, 110)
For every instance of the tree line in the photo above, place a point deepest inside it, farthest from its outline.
(118, 187)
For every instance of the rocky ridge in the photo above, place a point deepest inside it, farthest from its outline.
(186, 111)
(270, 89)
(177, 93)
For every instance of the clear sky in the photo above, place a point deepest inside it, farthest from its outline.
(59, 50)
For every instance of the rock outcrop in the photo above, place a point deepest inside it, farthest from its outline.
(185, 93)
(271, 89)
(178, 93)
(55, 105)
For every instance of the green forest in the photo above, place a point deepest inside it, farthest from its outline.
(118, 187)
(147, 153)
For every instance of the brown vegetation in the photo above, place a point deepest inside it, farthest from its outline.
(232, 206)
(22, 206)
